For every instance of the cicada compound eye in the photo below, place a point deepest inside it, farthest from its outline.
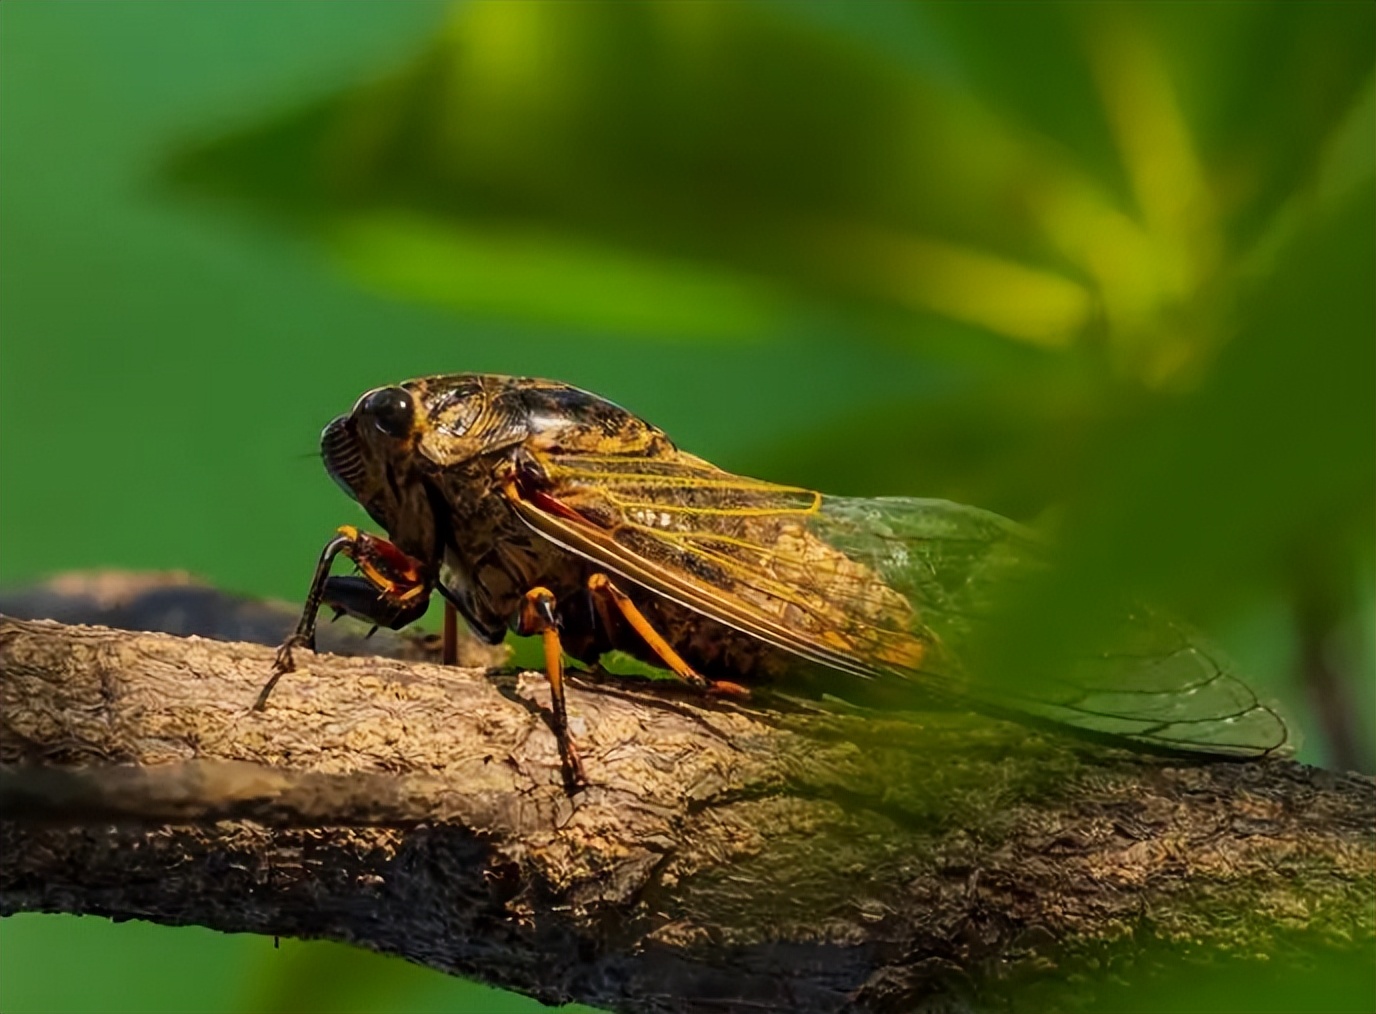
(392, 410)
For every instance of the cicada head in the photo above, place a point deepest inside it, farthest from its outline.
(359, 447)
(395, 435)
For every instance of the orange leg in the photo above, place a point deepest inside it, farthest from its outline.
(538, 617)
(385, 566)
(606, 594)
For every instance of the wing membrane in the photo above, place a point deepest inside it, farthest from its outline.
(884, 588)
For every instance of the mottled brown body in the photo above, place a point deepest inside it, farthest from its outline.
(536, 507)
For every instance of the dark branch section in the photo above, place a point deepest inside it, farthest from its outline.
(755, 857)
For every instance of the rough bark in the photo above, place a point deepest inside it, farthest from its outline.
(726, 856)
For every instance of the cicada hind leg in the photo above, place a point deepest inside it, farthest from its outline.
(392, 590)
(539, 616)
(607, 596)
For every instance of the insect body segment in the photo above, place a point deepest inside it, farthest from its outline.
(536, 507)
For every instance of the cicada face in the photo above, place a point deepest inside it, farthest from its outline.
(382, 450)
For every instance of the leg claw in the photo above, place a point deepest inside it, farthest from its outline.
(575, 778)
(282, 664)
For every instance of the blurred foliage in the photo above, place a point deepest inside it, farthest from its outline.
(1295, 982)
(1053, 193)
(1105, 266)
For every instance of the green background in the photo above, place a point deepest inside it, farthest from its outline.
(872, 248)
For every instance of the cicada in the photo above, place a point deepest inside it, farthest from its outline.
(535, 507)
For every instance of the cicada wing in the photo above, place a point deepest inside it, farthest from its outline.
(956, 565)
(1161, 686)
(1145, 677)
(883, 588)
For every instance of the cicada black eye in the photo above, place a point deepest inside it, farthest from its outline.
(392, 410)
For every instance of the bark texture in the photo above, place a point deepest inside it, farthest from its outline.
(763, 856)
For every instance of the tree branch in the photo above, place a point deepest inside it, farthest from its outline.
(725, 856)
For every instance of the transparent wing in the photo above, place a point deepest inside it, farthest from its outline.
(887, 588)
(1154, 681)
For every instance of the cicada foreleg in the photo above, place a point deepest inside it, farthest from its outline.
(538, 616)
(392, 591)
(606, 596)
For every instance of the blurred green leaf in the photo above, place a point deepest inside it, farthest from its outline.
(1271, 459)
(557, 279)
(722, 133)
(1263, 477)
(1086, 176)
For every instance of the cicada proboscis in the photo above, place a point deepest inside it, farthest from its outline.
(537, 507)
